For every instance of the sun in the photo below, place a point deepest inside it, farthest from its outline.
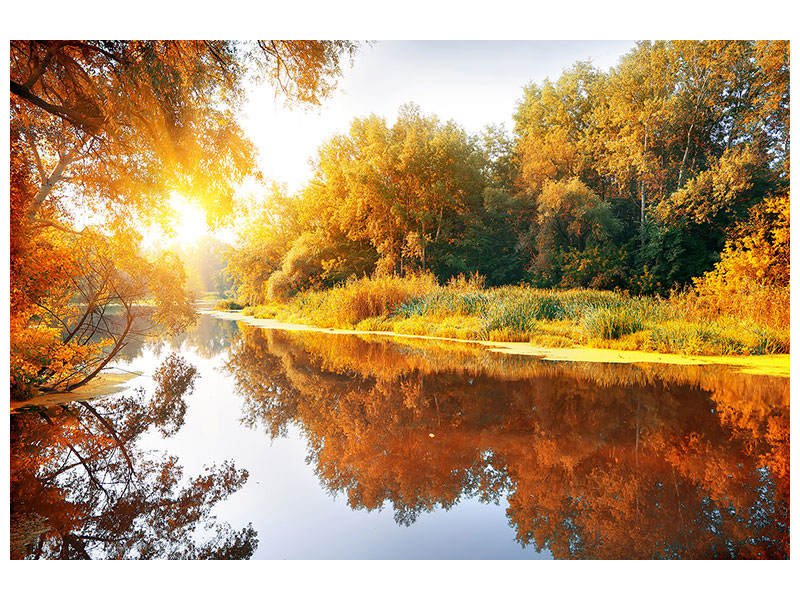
(190, 220)
(187, 225)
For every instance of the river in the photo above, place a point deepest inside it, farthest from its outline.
(240, 442)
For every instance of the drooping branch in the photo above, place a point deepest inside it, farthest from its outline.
(89, 124)
(40, 66)
(82, 460)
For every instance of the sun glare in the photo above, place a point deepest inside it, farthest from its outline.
(188, 225)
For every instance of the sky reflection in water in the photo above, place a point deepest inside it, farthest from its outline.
(361, 448)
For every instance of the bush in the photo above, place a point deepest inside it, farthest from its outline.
(751, 280)
(228, 305)
(610, 324)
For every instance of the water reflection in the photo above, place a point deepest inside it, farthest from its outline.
(592, 460)
(82, 488)
(597, 461)
(208, 338)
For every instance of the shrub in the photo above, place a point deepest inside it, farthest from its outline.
(610, 324)
(751, 280)
(228, 305)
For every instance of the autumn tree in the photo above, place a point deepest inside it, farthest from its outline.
(113, 128)
(681, 138)
(553, 122)
(95, 311)
(127, 122)
(572, 223)
(387, 198)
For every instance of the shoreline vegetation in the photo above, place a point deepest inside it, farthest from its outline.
(578, 324)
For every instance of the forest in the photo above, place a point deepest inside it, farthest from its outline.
(665, 180)
(646, 206)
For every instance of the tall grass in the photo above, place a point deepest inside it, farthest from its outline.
(463, 309)
(607, 324)
(346, 304)
(605, 315)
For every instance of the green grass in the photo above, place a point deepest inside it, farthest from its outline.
(555, 318)
(609, 324)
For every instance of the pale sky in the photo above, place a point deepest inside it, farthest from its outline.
(474, 83)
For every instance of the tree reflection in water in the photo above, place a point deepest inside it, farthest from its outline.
(597, 460)
(81, 488)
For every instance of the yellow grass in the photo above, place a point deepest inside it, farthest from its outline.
(461, 310)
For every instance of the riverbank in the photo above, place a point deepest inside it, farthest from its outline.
(463, 310)
(776, 365)
(106, 384)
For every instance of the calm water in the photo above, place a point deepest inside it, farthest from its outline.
(244, 442)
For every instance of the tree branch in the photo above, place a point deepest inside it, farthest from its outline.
(88, 124)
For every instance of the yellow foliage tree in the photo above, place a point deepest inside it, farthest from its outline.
(751, 279)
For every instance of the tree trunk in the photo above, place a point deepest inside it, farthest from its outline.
(641, 182)
(685, 154)
(117, 347)
(52, 179)
(642, 191)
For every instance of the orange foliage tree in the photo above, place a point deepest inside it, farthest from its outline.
(111, 129)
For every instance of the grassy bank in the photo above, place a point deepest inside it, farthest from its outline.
(548, 318)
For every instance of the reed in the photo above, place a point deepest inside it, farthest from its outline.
(462, 309)
(609, 324)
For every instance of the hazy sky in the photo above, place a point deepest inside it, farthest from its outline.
(473, 83)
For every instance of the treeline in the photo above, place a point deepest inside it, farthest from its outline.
(633, 179)
(205, 262)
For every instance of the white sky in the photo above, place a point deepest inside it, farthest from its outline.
(474, 83)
